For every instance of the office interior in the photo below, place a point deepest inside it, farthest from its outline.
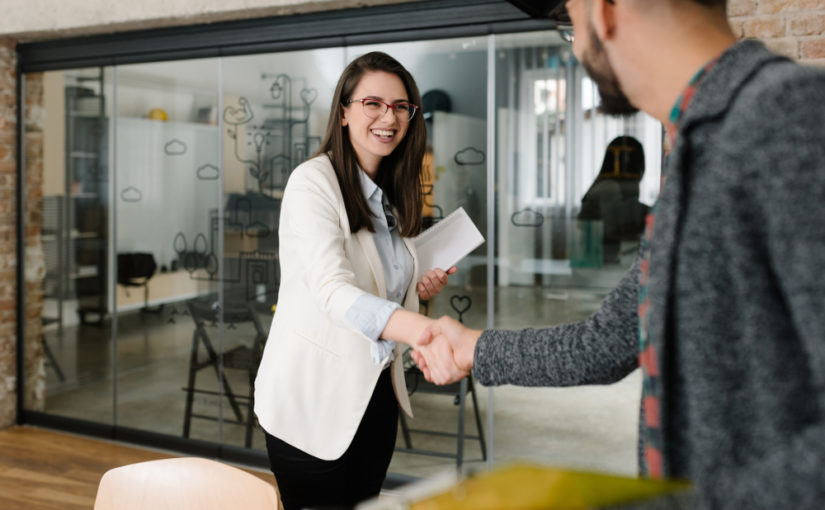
(160, 193)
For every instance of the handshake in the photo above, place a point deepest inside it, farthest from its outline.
(444, 351)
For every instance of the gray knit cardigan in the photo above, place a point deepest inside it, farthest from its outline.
(737, 285)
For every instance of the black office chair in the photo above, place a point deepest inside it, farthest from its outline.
(245, 357)
(417, 383)
(135, 270)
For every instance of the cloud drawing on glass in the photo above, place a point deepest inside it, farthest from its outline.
(174, 148)
(527, 218)
(208, 172)
(470, 156)
(131, 194)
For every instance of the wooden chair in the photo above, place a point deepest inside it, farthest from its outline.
(185, 483)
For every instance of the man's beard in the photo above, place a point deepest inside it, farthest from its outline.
(614, 101)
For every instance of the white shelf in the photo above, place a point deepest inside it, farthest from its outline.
(168, 123)
(83, 154)
(84, 114)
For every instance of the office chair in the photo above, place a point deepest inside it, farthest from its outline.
(245, 357)
(181, 484)
(135, 270)
(417, 383)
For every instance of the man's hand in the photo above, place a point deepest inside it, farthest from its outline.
(444, 352)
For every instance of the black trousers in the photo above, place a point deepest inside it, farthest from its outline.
(305, 481)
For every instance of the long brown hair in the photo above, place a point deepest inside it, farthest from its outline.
(399, 174)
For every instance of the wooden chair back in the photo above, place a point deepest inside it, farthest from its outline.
(182, 484)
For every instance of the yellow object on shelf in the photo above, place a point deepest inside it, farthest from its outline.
(158, 114)
(527, 487)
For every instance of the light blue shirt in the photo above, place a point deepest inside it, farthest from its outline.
(370, 313)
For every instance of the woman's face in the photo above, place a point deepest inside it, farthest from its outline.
(375, 138)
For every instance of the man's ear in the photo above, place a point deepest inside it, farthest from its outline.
(603, 17)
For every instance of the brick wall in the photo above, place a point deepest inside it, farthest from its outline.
(34, 367)
(795, 28)
(8, 126)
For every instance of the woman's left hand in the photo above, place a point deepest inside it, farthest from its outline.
(432, 282)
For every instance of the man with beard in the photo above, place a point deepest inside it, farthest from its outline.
(723, 310)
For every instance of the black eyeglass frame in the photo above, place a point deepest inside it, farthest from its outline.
(566, 32)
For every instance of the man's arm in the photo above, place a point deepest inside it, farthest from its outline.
(600, 350)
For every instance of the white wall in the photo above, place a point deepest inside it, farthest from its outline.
(45, 19)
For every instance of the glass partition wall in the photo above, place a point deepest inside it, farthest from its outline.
(167, 195)
(72, 112)
(572, 187)
(161, 195)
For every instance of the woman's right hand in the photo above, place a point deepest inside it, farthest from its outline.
(432, 282)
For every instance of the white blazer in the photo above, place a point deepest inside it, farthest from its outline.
(316, 376)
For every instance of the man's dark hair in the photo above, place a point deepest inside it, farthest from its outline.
(713, 3)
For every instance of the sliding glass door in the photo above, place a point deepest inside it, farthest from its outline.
(161, 189)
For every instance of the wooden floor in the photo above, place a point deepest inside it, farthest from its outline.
(47, 470)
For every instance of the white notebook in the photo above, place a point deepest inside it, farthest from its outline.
(447, 242)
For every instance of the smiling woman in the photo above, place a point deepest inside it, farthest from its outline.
(348, 215)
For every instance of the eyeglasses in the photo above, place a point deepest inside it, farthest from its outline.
(373, 108)
(566, 32)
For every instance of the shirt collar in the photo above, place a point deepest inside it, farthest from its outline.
(368, 186)
(683, 101)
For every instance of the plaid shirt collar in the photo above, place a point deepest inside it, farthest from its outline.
(683, 101)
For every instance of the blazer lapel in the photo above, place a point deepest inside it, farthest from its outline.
(367, 243)
(411, 293)
(399, 380)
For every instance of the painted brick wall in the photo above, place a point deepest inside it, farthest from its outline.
(795, 28)
(34, 369)
(8, 126)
